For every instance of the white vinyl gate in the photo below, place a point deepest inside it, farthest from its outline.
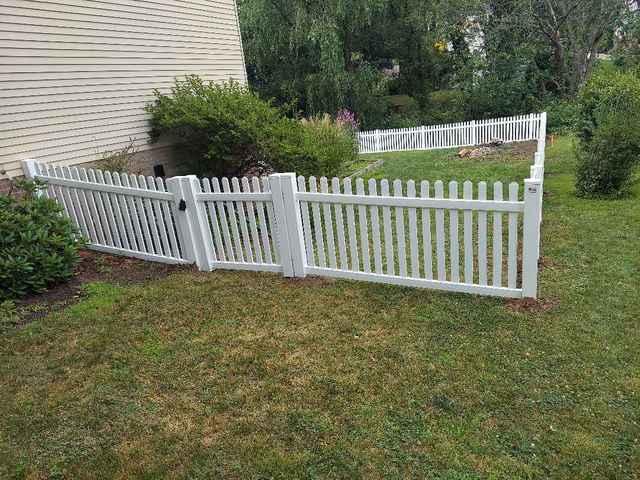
(473, 238)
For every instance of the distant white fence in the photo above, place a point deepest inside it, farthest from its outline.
(480, 238)
(478, 132)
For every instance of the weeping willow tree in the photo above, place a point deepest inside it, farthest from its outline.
(321, 56)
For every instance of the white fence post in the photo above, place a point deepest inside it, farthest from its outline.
(191, 222)
(474, 135)
(542, 135)
(531, 236)
(293, 222)
(282, 237)
(30, 169)
(378, 141)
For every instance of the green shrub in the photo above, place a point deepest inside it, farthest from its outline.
(328, 145)
(38, 246)
(609, 137)
(226, 128)
(445, 106)
(607, 162)
(563, 116)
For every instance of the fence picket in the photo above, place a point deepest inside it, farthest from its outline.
(213, 222)
(413, 232)
(141, 214)
(388, 232)
(83, 207)
(375, 229)
(105, 219)
(328, 226)
(168, 221)
(233, 220)
(497, 237)
(253, 227)
(132, 213)
(364, 229)
(454, 244)
(160, 226)
(468, 234)
(244, 231)
(442, 268)
(351, 228)
(342, 247)
(151, 218)
(90, 201)
(264, 233)
(306, 225)
(123, 218)
(482, 237)
(221, 207)
(400, 234)
(317, 224)
(427, 245)
(266, 187)
(512, 258)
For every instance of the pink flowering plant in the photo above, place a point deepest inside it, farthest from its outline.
(347, 119)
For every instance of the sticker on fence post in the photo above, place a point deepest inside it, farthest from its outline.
(531, 237)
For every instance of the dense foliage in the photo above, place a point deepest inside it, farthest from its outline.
(38, 245)
(505, 56)
(226, 128)
(609, 137)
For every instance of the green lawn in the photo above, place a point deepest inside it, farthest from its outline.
(252, 376)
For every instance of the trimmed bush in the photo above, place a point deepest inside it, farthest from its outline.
(226, 128)
(38, 246)
(445, 106)
(609, 146)
(563, 116)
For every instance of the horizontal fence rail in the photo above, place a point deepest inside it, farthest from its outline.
(472, 238)
(466, 134)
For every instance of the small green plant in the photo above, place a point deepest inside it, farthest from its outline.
(8, 314)
(121, 159)
(38, 246)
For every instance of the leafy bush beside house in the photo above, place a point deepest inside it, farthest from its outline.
(226, 128)
(38, 246)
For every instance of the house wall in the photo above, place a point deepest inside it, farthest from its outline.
(75, 75)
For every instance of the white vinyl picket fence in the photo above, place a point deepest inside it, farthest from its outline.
(465, 134)
(481, 239)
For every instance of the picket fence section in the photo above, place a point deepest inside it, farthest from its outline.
(116, 213)
(480, 238)
(466, 134)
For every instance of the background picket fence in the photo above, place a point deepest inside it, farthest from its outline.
(481, 238)
(465, 134)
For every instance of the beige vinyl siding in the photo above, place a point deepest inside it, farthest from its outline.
(75, 75)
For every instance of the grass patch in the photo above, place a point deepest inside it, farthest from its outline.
(246, 375)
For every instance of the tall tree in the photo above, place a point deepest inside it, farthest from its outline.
(573, 30)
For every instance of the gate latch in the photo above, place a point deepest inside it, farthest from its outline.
(182, 206)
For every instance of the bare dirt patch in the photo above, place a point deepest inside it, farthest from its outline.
(93, 267)
(530, 305)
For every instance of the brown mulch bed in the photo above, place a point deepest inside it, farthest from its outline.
(93, 267)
